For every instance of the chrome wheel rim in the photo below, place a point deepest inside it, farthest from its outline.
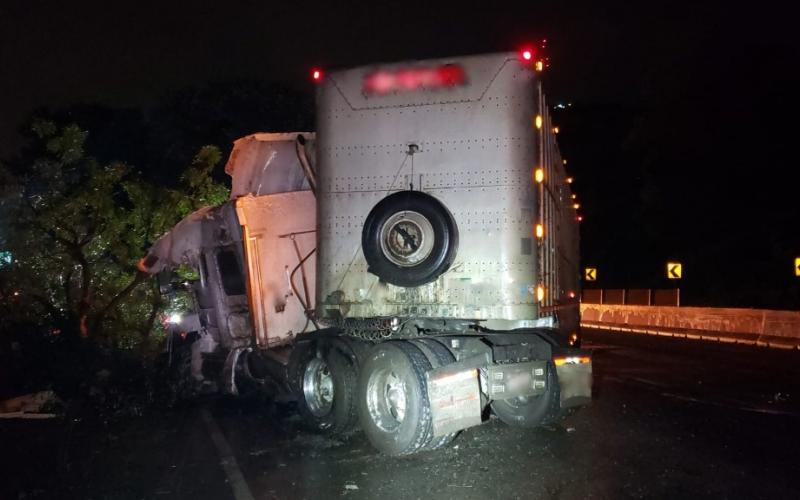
(387, 399)
(318, 387)
(407, 238)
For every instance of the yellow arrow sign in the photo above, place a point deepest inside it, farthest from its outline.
(674, 270)
(591, 274)
(797, 266)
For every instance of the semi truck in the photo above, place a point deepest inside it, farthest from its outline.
(409, 269)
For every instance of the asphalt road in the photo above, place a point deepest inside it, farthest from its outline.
(670, 419)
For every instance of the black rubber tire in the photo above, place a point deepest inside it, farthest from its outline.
(438, 355)
(445, 239)
(535, 411)
(342, 417)
(408, 364)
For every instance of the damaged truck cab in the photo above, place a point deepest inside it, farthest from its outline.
(409, 266)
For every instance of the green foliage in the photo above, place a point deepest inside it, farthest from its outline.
(187, 273)
(77, 228)
(198, 181)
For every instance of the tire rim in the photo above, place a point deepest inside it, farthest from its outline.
(318, 387)
(407, 238)
(386, 399)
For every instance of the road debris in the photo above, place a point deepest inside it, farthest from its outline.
(29, 406)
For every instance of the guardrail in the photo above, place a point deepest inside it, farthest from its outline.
(632, 296)
(763, 327)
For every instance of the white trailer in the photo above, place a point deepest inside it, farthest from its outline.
(410, 265)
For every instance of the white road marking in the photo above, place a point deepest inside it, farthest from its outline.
(768, 411)
(733, 405)
(228, 461)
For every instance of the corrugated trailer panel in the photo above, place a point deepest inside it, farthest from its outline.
(476, 153)
(559, 246)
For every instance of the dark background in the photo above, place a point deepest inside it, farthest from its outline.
(681, 135)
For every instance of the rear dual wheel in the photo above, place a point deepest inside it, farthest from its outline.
(389, 397)
(393, 398)
(393, 404)
(324, 379)
(532, 411)
(438, 355)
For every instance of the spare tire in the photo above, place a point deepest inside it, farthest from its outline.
(409, 239)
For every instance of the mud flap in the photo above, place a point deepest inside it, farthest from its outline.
(455, 400)
(575, 381)
(508, 381)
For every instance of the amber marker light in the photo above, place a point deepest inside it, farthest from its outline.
(539, 231)
(538, 121)
(571, 360)
(569, 180)
(538, 175)
(539, 293)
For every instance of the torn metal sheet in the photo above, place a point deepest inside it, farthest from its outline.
(270, 163)
(182, 244)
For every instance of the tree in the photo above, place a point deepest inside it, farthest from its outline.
(77, 229)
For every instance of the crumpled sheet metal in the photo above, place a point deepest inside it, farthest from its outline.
(178, 246)
(268, 164)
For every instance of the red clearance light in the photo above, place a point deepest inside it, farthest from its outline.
(527, 55)
(403, 80)
(316, 75)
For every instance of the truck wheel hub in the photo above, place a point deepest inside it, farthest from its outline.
(386, 399)
(318, 387)
(407, 238)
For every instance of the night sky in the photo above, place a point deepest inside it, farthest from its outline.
(681, 136)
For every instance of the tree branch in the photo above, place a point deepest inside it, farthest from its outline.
(137, 280)
(46, 303)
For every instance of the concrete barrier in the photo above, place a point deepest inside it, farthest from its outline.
(780, 329)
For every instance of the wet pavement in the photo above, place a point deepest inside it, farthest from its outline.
(671, 418)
